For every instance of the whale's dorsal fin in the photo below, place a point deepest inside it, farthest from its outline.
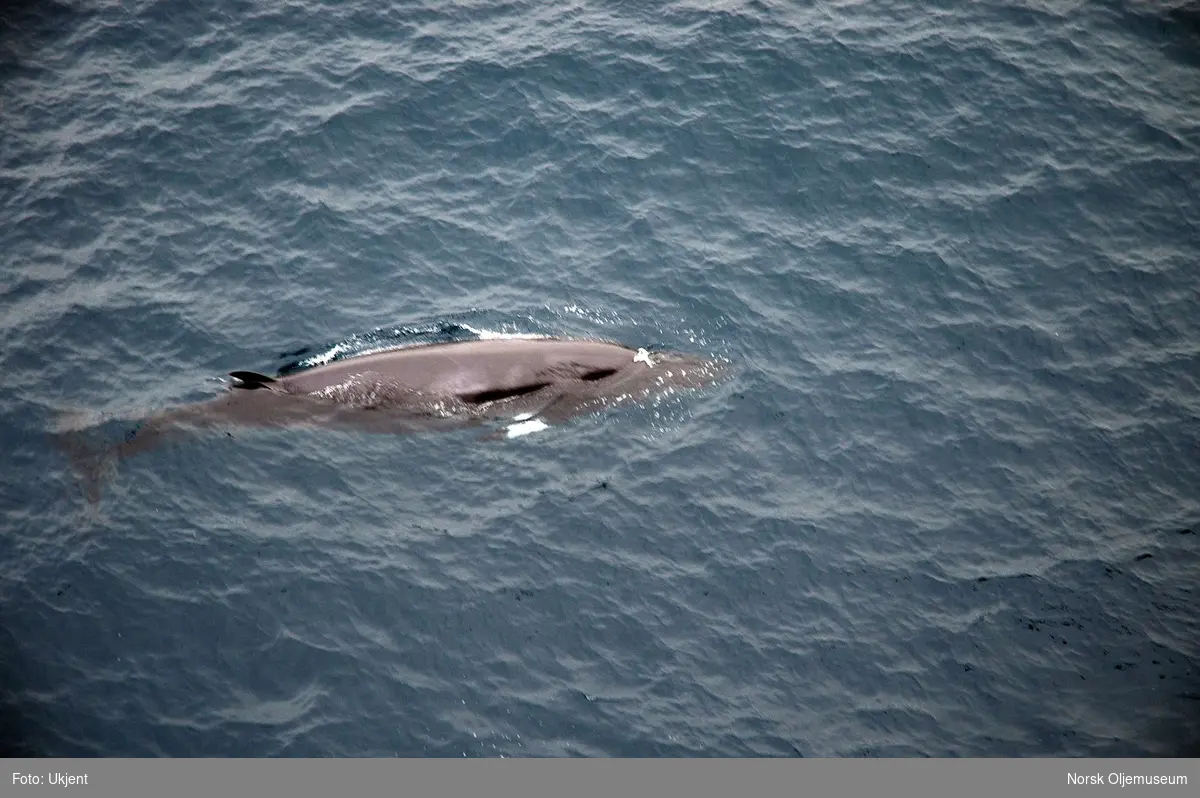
(250, 380)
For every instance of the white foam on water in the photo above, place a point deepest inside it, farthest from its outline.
(494, 334)
(525, 427)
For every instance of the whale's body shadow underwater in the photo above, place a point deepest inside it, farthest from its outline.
(529, 383)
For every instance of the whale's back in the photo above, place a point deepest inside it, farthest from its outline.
(473, 371)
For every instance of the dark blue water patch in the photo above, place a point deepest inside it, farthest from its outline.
(1174, 28)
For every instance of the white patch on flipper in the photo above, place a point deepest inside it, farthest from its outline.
(522, 416)
(525, 427)
(643, 356)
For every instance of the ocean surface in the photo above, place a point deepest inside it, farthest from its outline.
(949, 505)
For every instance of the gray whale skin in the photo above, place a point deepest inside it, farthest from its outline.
(535, 382)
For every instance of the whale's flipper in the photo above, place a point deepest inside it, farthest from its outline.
(250, 380)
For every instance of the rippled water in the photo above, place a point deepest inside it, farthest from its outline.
(949, 505)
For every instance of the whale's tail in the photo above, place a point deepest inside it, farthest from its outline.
(95, 463)
(91, 464)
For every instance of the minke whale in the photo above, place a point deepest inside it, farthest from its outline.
(531, 383)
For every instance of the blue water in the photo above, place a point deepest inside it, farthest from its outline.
(948, 506)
